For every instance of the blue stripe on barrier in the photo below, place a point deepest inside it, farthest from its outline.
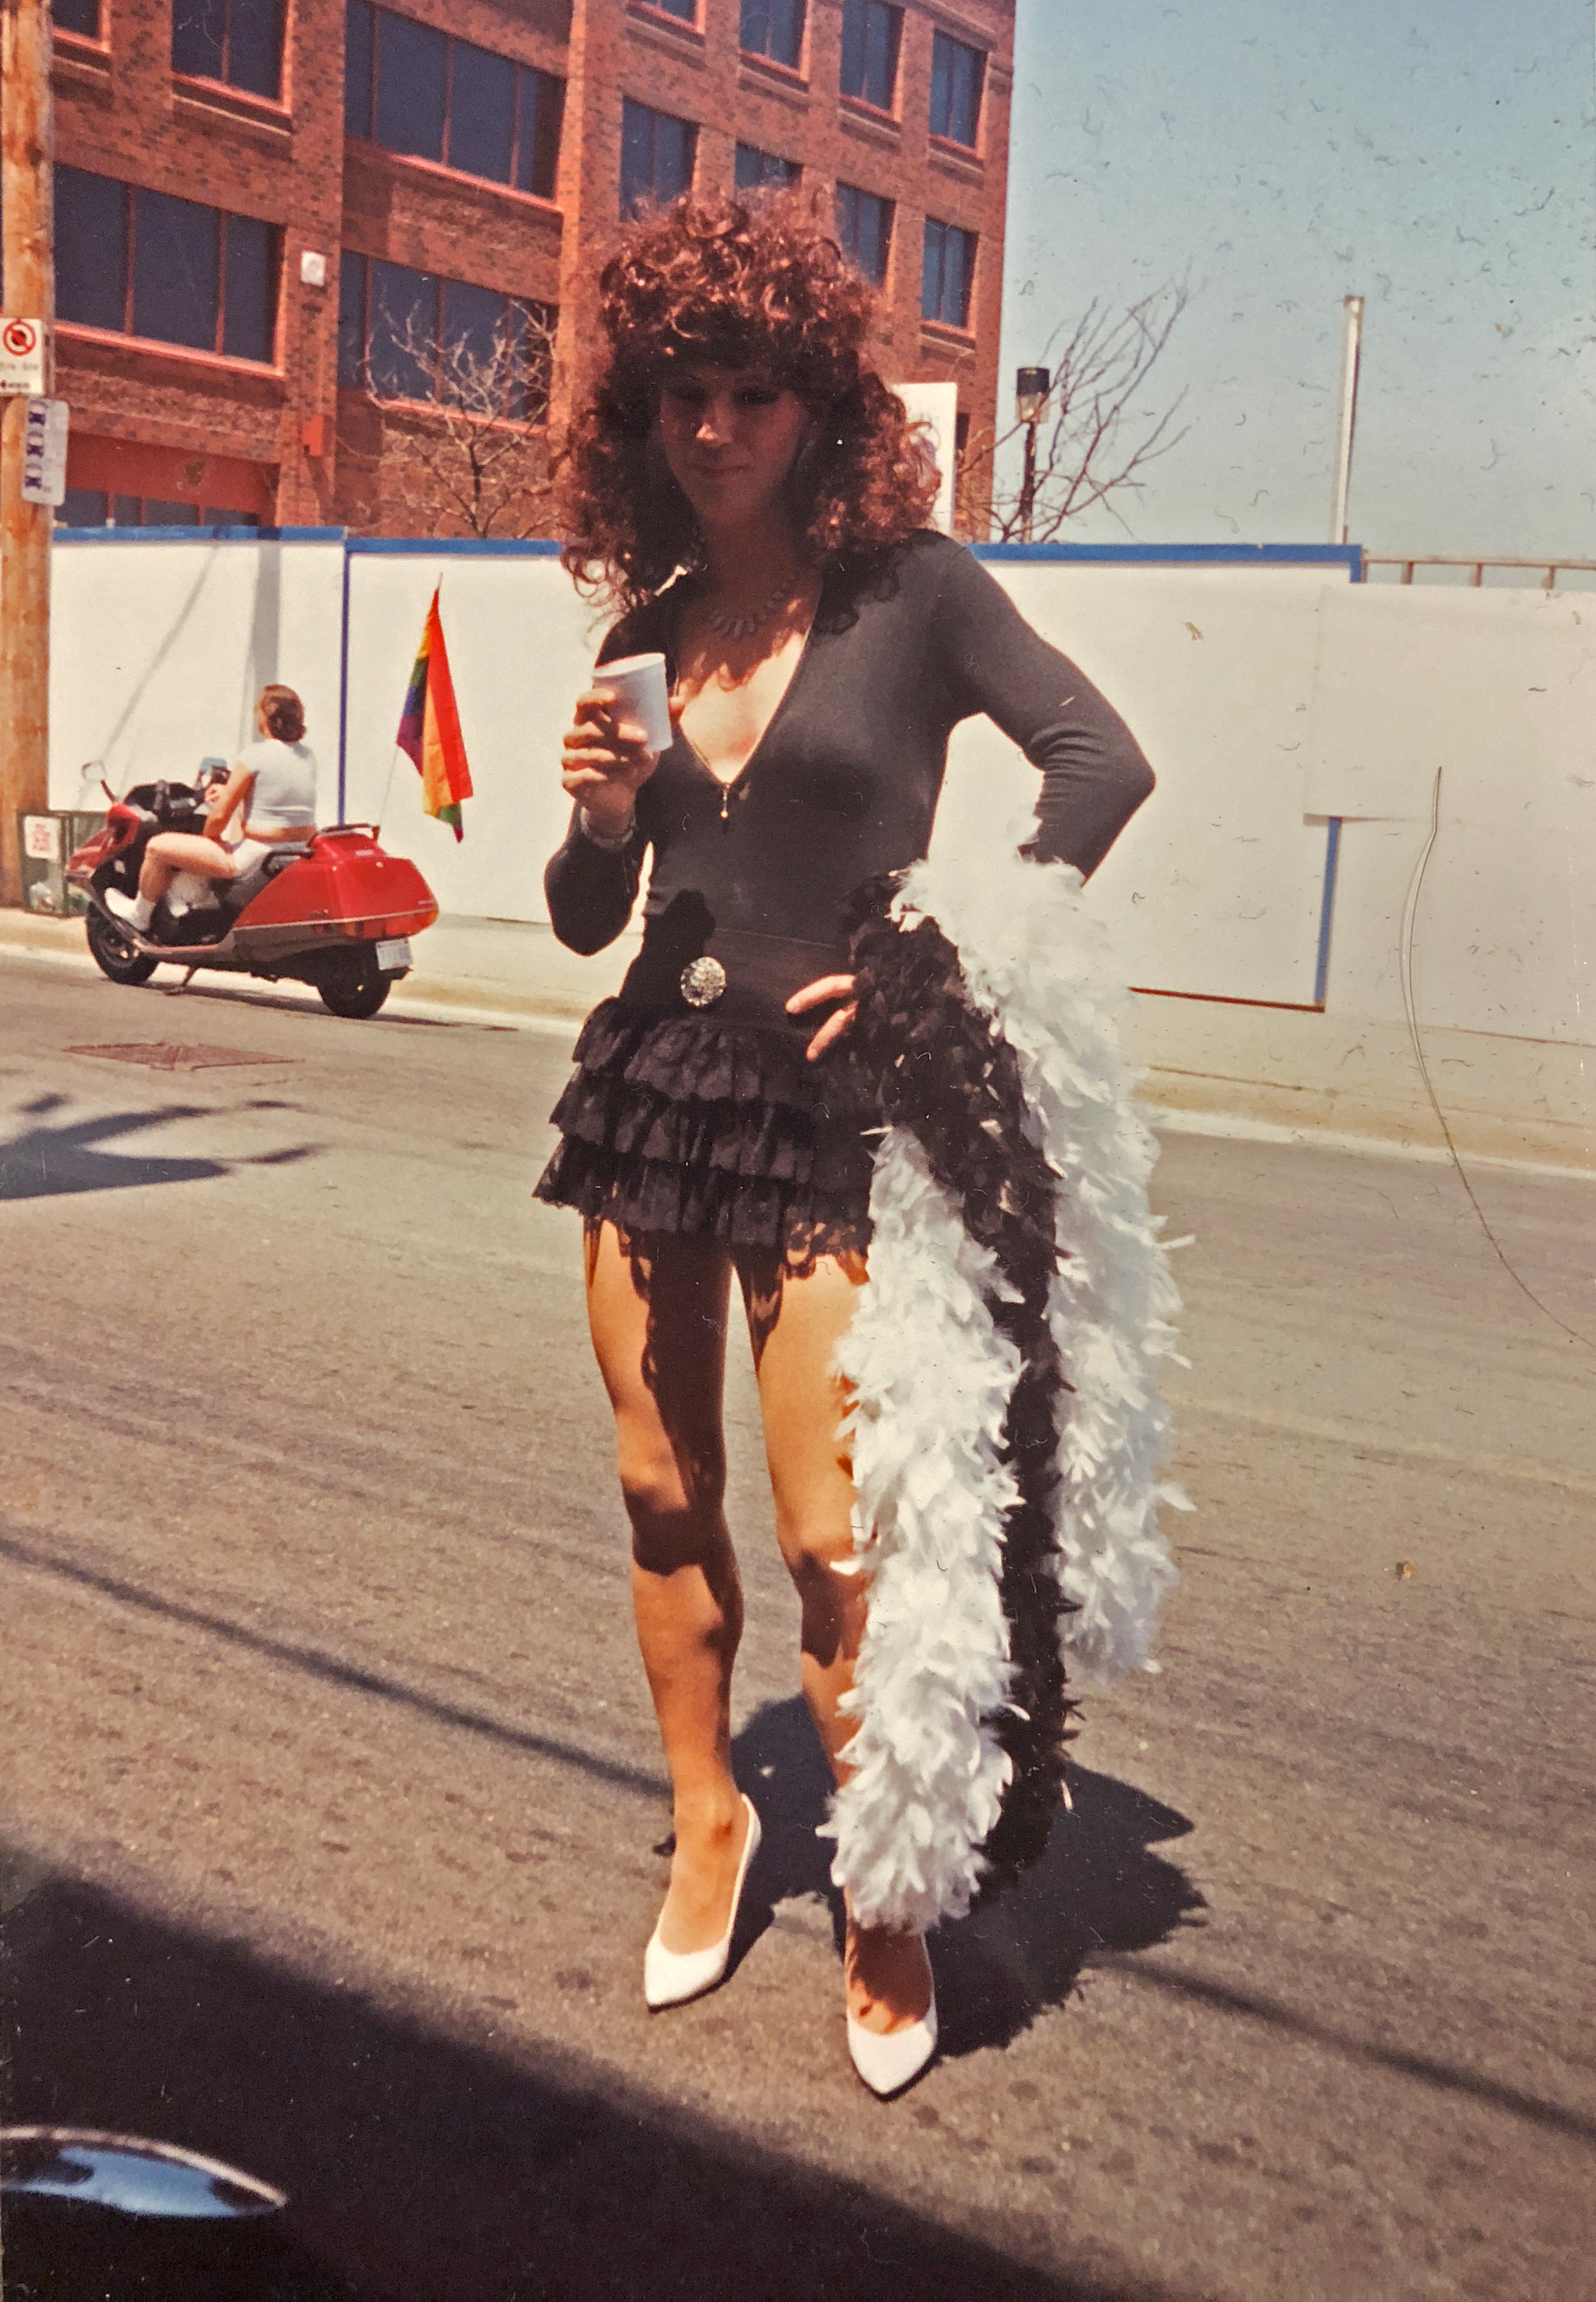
(453, 547)
(1349, 556)
(200, 535)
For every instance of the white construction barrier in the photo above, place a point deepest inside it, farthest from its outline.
(1294, 720)
(159, 649)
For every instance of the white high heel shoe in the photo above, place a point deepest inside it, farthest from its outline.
(671, 1976)
(889, 2060)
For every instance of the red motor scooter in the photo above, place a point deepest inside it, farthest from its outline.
(333, 911)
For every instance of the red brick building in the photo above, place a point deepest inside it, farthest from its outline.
(275, 217)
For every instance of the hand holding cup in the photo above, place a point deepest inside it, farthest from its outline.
(622, 723)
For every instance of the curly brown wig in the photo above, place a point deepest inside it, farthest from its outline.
(737, 283)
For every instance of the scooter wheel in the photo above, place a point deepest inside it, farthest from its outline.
(113, 954)
(359, 989)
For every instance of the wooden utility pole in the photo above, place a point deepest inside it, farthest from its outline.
(27, 146)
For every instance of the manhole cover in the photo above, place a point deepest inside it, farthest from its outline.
(156, 1056)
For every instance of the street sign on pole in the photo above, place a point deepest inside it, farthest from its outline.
(22, 358)
(44, 452)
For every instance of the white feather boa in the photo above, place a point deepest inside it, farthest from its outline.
(930, 1376)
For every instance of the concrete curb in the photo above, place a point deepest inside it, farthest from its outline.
(33, 932)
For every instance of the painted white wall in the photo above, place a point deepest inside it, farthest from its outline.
(159, 650)
(1193, 857)
(1496, 693)
(521, 647)
(1266, 698)
(1215, 885)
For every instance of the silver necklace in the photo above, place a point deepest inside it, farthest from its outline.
(728, 626)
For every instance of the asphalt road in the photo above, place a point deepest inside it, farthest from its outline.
(333, 1808)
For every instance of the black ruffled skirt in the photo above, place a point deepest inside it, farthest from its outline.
(677, 1123)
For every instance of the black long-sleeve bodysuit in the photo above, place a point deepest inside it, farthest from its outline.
(694, 1118)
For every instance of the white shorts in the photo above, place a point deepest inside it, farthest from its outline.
(249, 853)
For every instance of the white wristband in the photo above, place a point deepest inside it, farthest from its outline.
(612, 842)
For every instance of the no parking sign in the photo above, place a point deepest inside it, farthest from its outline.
(22, 357)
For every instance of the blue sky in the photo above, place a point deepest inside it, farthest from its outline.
(1437, 156)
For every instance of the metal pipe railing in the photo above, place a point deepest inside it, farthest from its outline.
(1552, 567)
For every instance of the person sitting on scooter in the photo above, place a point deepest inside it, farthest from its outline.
(272, 786)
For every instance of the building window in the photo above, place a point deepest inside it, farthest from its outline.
(359, 67)
(411, 104)
(93, 508)
(91, 250)
(956, 74)
(249, 289)
(870, 32)
(763, 172)
(687, 10)
(239, 41)
(146, 263)
(864, 227)
(482, 113)
(177, 270)
(80, 16)
(949, 271)
(411, 335)
(774, 29)
(657, 151)
(423, 93)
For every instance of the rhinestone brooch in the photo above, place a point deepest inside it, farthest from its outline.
(703, 981)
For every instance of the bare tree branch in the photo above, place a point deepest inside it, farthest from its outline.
(1095, 445)
(475, 426)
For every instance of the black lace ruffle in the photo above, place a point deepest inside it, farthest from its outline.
(678, 1124)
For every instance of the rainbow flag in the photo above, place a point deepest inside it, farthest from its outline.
(429, 729)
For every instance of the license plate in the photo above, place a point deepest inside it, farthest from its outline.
(393, 956)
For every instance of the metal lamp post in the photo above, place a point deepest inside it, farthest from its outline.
(1032, 387)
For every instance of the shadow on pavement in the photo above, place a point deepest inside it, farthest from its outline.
(439, 2167)
(51, 1162)
(46, 1162)
(1097, 1888)
(249, 991)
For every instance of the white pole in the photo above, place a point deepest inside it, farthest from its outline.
(1352, 309)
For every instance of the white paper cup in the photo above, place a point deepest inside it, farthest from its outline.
(642, 695)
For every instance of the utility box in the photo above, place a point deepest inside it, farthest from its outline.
(46, 838)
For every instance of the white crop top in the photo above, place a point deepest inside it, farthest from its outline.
(285, 795)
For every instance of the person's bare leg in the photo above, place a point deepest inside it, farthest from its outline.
(171, 852)
(796, 1324)
(656, 1308)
